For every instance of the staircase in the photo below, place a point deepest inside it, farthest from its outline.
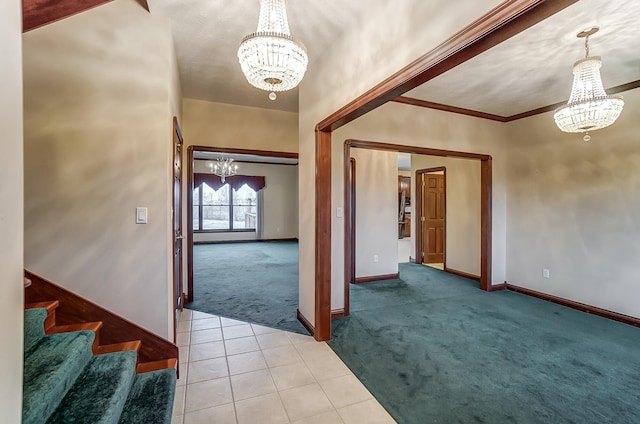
(69, 377)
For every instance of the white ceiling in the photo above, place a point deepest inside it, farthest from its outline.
(534, 68)
(207, 34)
(528, 71)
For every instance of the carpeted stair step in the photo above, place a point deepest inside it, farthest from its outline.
(33, 327)
(100, 392)
(151, 398)
(50, 306)
(51, 367)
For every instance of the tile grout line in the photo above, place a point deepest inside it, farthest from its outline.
(226, 360)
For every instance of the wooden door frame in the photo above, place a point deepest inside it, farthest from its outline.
(190, 159)
(499, 24)
(176, 138)
(349, 228)
(419, 200)
(485, 206)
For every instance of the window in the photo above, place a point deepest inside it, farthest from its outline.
(224, 209)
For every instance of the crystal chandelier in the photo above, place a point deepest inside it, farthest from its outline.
(270, 58)
(223, 168)
(589, 107)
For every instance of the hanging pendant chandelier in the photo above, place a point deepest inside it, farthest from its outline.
(270, 58)
(223, 168)
(589, 107)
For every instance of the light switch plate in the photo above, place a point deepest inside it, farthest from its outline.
(339, 212)
(141, 215)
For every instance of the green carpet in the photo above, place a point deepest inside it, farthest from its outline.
(434, 348)
(99, 393)
(151, 398)
(50, 369)
(253, 282)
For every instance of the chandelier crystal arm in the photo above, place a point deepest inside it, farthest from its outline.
(223, 167)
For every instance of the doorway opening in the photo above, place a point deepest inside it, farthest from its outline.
(243, 236)
(405, 239)
(483, 167)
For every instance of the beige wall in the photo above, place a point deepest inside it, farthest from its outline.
(350, 67)
(574, 208)
(98, 118)
(376, 227)
(241, 127)
(462, 210)
(280, 202)
(11, 212)
(376, 212)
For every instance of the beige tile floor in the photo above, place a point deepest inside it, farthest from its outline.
(233, 372)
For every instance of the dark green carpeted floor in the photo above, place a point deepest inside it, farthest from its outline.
(434, 348)
(254, 282)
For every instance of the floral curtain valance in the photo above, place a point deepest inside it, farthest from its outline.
(236, 181)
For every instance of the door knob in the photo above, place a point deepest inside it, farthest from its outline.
(180, 237)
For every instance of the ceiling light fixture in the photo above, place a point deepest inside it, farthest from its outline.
(223, 168)
(270, 58)
(589, 107)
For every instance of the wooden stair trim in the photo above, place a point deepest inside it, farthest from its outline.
(82, 326)
(162, 364)
(73, 309)
(50, 306)
(119, 347)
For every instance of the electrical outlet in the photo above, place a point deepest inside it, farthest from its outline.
(545, 273)
(375, 258)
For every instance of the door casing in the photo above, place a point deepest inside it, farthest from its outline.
(176, 217)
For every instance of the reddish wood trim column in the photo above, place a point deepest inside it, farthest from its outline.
(323, 236)
(485, 224)
(189, 297)
(349, 231)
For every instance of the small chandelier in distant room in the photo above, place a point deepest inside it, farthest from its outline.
(270, 58)
(589, 107)
(223, 168)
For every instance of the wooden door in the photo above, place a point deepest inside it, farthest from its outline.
(178, 292)
(433, 221)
